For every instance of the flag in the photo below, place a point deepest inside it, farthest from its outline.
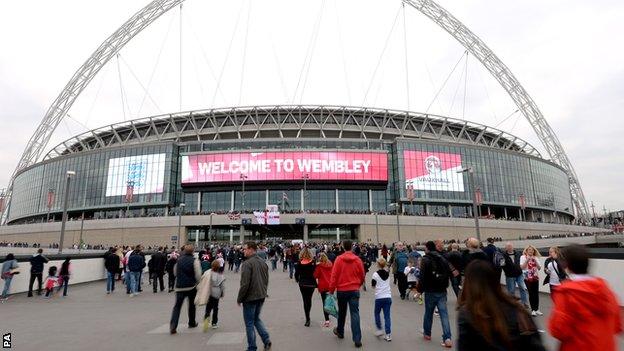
(232, 216)
(129, 192)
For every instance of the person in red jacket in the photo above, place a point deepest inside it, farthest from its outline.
(586, 315)
(346, 278)
(322, 273)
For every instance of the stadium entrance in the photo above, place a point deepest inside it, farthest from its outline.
(317, 232)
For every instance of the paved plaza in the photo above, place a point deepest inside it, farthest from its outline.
(88, 319)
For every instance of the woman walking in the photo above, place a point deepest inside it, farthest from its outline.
(555, 273)
(64, 276)
(322, 273)
(531, 267)
(304, 275)
(490, 319)
(9, 269)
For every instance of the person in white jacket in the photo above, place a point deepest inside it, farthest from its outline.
(383, 299)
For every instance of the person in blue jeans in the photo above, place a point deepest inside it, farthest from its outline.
(435, 274)
(383, 299)
(253, 290)
(136, 263)
(347, 278)
(513, 274)
(111, 262)
(6, 273)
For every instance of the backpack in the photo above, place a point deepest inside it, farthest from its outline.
(439, 271)
(499, 259)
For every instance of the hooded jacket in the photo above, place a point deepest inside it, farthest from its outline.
(586, 315)
(322, 273)
(347, 274)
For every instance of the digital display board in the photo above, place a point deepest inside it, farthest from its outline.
(284, 166)
(433, 171)
(145, 173)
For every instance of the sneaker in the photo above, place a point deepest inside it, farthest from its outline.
(534, 313)
(358, 344)
(379, 332)
(172, 331)
(388, 337)
(447, 343)
(215, 326)
(267, 347)
(194, 325)
(206, 324)
(420, 300)
(338, 335)
(427, 337)
(326, 324)
(108, 293)
(539, 313)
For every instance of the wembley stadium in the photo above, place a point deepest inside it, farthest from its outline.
(313, 172)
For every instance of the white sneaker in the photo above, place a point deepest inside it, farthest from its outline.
(215, 326)
(539, 313)
(388, 337)
(379, 332)
(534, 313)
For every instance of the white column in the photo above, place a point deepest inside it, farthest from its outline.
(198, 201)
(337, 204)
(232, 201)
(370, 200)
(267, 199)
(338, 234)
(302, 201)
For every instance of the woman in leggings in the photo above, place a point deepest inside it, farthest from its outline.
(304, 275)
(323, 275)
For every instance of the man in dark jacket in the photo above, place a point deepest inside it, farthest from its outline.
(111, 262)
(188, 273)
(136, 263)
(398, 261)
(36, 271)
(473, 252)
(251, 294)
(158, 262)
(513, 274)
(435, 274)
(490, 250)
(454, 259)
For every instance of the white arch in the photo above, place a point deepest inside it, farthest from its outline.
(143, 18)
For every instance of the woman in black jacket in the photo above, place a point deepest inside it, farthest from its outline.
(304, 275)
(490, 319)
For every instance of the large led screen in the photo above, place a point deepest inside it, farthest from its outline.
(284, 166)
(146, 173)
(433, 171)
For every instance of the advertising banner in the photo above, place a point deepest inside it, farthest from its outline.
(145, 173)
(284, 166)
(433, 171)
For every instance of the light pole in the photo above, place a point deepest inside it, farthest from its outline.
(182, 205)
(243, 178)
(210, 227)
(593, 212)
(475, 214)
(397, 206)
(377, 226)
(69, 174)
(305, 178)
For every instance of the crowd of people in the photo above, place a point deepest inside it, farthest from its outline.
(586, 314)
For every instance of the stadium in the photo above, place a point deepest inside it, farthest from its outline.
(310, 172)
(294, 172)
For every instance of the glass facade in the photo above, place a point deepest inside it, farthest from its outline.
(430, 168)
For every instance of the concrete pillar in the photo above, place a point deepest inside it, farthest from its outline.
(337, 204)
(338, 234)
(370, 200)
(505, 209)
(231, 236)
(305, 233)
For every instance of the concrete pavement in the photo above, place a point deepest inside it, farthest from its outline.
(90, 319)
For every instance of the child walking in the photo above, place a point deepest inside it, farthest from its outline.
(383, 299)
(51, 281)
(412, 273)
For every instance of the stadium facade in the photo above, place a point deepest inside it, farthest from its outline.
(303, 160)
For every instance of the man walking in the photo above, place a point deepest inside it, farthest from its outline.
(187, 273)
(253, 290)
(111, 262)
(158, 262)
(346, 278)
(399, 262)
(136, 263)
(435, 274)
(513, 274)
(36, 271)
(586, 315)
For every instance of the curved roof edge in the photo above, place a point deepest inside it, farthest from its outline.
(291, 121)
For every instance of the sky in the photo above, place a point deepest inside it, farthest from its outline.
(376, 53)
